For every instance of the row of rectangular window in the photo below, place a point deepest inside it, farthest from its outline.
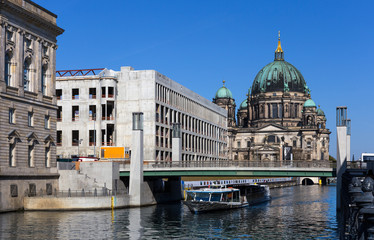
(92, 93)
(30, 155)
(76, 141)
(107, 110)
(31, 191)
(30, 118)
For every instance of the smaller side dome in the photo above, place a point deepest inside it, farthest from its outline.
(320, 112)
(223, 92)
(244, 104)
(309, 103)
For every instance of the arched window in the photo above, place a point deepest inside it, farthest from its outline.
(44, 80)
(8, 72)
(27, 75)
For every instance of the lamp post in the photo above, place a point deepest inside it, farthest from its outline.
(79, 142)
(94, 116)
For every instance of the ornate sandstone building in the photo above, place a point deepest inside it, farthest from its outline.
(27, 102)
(278, 121)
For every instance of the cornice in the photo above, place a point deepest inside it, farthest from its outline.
(30, 16)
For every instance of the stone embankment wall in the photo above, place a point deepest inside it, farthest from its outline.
(75, 203)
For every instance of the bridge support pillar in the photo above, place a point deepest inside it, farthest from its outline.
(343, 135)
(177, 143)
(140, 193)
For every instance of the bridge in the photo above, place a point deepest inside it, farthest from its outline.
(235, 169)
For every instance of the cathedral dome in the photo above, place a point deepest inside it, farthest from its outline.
(244, 104)
(279, 76)
(223, 92)
(309, 103)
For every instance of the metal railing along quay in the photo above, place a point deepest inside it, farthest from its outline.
(96, 192)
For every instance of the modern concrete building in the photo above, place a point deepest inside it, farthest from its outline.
(28, 104)
(120, 93)
(278, 121)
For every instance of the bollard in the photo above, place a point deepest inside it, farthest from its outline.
(83, 192)
(95, 192)
(69, 193)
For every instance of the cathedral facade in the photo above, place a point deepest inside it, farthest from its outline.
(278, 121)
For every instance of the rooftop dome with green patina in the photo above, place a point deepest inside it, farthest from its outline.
(223, 92)
(320, 112)
(244, 104)
(279, 76)
(309, 103)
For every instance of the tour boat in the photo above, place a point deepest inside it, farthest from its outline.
(220, 197)
(214, 198)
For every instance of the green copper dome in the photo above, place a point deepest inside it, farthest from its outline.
(223, 92)
(309, 103)
(320, 112)
(279, 76)
(244, 104)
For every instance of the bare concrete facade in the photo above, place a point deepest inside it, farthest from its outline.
(86, 105)
(28, 105)
(163, 102)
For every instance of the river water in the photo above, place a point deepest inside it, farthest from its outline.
(301, 212)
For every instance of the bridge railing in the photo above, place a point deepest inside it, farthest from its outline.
(238, 164)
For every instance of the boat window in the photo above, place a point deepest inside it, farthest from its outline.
(190, 196)
(236, 196)
(215, 197)
(202, 196)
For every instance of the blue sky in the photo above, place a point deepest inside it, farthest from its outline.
(199, 43)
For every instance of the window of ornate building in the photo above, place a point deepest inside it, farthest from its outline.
(8, 70)
(323, 143)
(238, 144)
(47, 122)
(48, 188)
(248, 144)
(12, 116)
(47, 156)
(274, 110)
(30, 119)
(13, 190)
(309, 144)
(28, 43)
(44, 80)
(12, 154)
(27, 75)
(32, 190)
(30, 155)
(294, 143)
(9, 36)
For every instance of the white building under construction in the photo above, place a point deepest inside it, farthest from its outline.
(96, 106)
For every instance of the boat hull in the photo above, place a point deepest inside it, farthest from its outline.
(202, 206)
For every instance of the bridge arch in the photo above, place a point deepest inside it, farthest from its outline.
(307, 181)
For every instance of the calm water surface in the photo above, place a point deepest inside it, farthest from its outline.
(302, 212)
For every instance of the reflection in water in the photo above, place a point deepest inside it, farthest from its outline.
(303, 212)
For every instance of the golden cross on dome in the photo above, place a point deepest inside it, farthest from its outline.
(279, 35)
(223, 81)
